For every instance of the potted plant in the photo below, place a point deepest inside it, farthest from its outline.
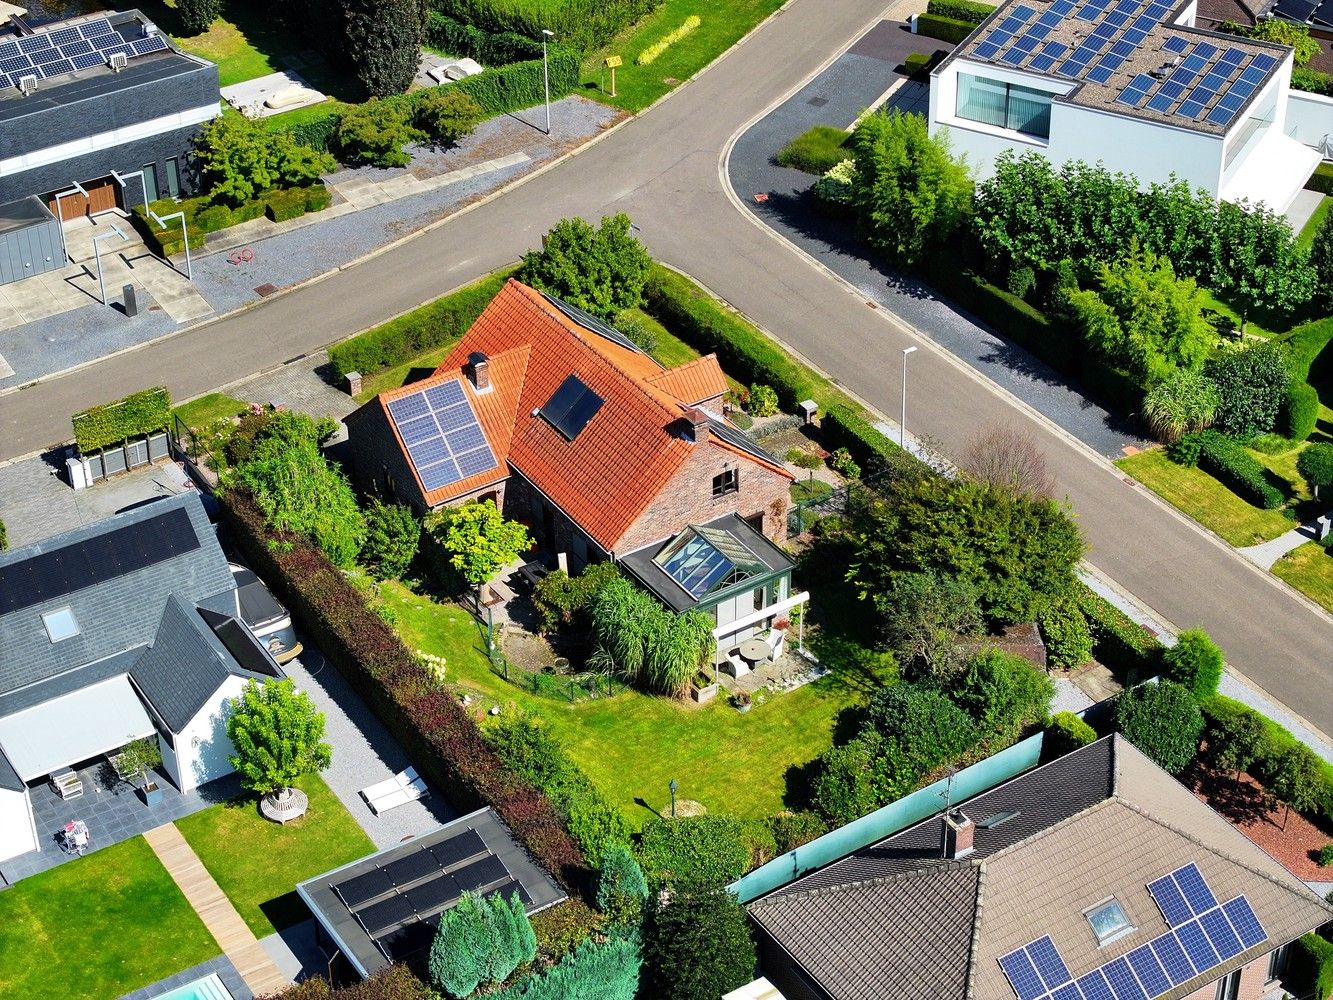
(136, 762)
(741, 699)
(704, 688)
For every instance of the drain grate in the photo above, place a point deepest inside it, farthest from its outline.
(268, 288)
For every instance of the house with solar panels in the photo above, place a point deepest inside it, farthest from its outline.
(86, 99)
(1131, 84)
(113, 632)
(1097, 876)
(572, 429)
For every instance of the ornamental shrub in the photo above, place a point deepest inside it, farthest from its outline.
(1183, 402)
(600, 270)
(136, 415)
(644, 642)
(1065, 734)
(1324, 856)
(197, 15)
(763, 401)
(1186, 450)
(840, 461)
(1195, 662)
(1321, 260)
(392, 536)
(606, 969)
(928, 728)
(961, 10)
(375, 133)
(696, 945)
(1004, 694)
(837, 186)
(1315, 464)
(858, 777)
(946, 29)
(445, 115)
(693, 851)
(563, 601)
(816, 150)
(621, 887)
(383, 41)
(1021, 281)
(479, 940)
(1236, 469)
(1065, 631)
(1163, 720)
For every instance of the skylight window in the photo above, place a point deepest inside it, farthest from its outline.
(571, 407)
(60, 624)
(705, 560)
(1108, 921)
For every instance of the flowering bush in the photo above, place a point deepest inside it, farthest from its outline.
(651, 53)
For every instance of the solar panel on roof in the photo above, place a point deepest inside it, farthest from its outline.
(403, 942)
(9, 48)
(1063, 7)
(481, 874)
(364, 887)
(385, 915)
(1245, 922)
(1160, 103)
(1190, 109)
(57, 68)
(1232, 57)
(153, 43)
(15, 64)
(1135, 91)
(1014, 57)
(428, 896)
(571, 407)
(77, 48)
(99, 27)
(1170, 900)
(1263, 62)
(1093, 986)
(986, 50)
(459, 848)
(1175, 44)
(46, 56)
(1220, 933)
(1114, 21)
(1067, 992)
(411, 867)
(1022, 975)
(1197, 946)
(1194, 888)
(1050, 19)
(1297, 10)
(1121, 977)
(5, 81)
(1175, 963)
(439, 475)
(34, 43)
(1101, 74)
(1050, 966)
(1149, 970)
(63, 35)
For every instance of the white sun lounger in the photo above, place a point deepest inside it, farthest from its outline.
(402, 788)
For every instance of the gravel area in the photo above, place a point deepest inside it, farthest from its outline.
(852, 83)
(1069, 697)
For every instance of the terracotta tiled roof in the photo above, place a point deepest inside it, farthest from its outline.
(618, 464)
(694, 381)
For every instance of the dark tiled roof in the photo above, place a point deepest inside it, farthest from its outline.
(182, 669)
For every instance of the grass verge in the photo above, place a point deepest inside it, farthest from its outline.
(1199, 495)
(99, 926)
(1307, 234)
(816, 150)
(724, 22)
(1310, 570)
(206, 409)
(258, 863)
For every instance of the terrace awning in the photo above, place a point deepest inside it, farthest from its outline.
(75, 727)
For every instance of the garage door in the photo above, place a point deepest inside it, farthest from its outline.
(101, 198)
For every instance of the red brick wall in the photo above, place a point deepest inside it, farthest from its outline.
(1254, 984)
(688, 498)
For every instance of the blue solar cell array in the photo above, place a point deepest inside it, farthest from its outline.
(443, 438)
(1224, 82)
(1203, 936)
(48, 54)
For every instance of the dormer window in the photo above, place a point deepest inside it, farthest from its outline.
(729, 481)
(60, 624)
(1108, 921)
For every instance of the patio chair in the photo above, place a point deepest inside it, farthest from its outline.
(75, 838)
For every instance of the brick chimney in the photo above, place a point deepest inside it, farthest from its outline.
(956, 833)
(478, 370)
(698, 421)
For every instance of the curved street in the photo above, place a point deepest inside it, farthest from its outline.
(667, 170)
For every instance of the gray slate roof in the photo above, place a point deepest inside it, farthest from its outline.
(120, 612)
(180, 671)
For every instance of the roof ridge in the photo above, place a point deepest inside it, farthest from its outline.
(828, 890)
(974, 939)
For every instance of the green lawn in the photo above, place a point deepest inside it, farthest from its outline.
(258, 863)
(633, 745)
(206, 409)
(671, 351)
(809, 489)
(1194, 492)
(105, 924)
(1307, 233)
(415, 370)
(724, 23)
(1310, 570)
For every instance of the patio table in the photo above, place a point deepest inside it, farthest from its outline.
(755, 650)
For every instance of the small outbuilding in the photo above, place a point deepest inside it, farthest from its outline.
(29, 240)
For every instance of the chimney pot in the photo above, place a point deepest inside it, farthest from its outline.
(956, 835)
(478, 370)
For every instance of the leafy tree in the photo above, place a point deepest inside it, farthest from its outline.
(563, 600)
(239, 158)
(392, 536)
(1004, 693)
(925, 617)
(1236, 741)
(860, 776)
(621, 887)
(478, 540)
(197, 15)
(1251, 385)
(299, 491)
(384, 41)
(696, 945)
(693, 851)
(928, 728)
(1321, 262)
(1163, 720)
(910, 194)
(1296, 777)
(278, 735)
(1181, 403)
(1256, 262)
(1065, 631)
(1270, 29)
(600, 270)
(446, 115)
(4, 537)
(1195, 662)
(1315, 464)
(1145, 320)
(596, 969)
(375, 133)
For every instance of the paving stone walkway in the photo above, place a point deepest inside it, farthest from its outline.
(1267, 553)
(235, 939)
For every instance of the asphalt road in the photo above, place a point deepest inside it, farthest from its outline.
(665, 169)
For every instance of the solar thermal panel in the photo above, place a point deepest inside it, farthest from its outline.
(1175, 963)
(1149, 971)
(1194, 888)
(1245, 922)
(1122, 980)
(1201, 953)
(459, 848)
(1094, 986)
(411, 867)
(1022, 975)
(1050, 966)
(1220, 933)
(1169, 899)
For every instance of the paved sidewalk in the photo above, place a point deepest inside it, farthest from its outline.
(1267, 553)
(235, 939)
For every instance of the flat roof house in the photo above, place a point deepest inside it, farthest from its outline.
(574, 430)
(115, 631)
(1131, 84)
(1097, 876)
(88, 97)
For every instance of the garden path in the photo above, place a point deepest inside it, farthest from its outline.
(1267, 553)
(235, 939)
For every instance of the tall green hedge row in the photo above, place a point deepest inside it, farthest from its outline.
(1322, 179)
(1119, 642)
(435, 324)
(579, 24)
(136, 415)
(947, 29)
(489, 49)
(961, 10)
(1308, 349)
(440, 736)
(203, 217)
(1314, 961)
(1237, 470)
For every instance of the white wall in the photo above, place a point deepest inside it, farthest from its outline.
(202, 747)
(17, 835)
(1149, 151)
(1309, 117)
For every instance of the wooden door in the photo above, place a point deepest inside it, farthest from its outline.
(101, 197)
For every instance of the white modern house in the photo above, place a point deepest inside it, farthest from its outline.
(109, 633)
(1134, 85)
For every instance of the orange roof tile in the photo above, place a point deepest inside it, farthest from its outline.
(694, 381)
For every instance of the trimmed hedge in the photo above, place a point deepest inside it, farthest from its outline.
(459, 39)
(580, 24)
(133, 416)
(960, 10)
(1307, 349)
(1312, 81)
(1236, 469)
(1065, 734)
(202, 217)
(1315, 957)
(1276, 740)
(1119, 642)
(1300, 412)
(436, 731)
(433, 325)
(947, 29)
(1322, 179)
(317, 133)
(293, 203)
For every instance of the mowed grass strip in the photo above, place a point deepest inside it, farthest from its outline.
(257, 863)
(99, 926)
(1310, 570)
(203, 411)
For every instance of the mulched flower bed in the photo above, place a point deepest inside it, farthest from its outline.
(1249, 807)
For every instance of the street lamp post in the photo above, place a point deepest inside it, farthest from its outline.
(97, 253)
(902, 424)
(673, 786)
(162, 221)
(546, 78)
